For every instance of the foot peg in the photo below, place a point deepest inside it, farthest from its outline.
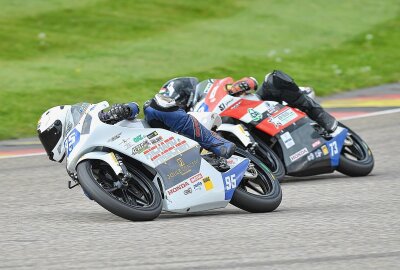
(217, 162)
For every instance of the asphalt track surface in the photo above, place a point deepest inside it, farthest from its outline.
(324, 222)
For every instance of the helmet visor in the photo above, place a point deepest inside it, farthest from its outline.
(50, 137)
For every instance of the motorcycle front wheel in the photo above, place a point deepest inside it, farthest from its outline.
(137, 200)
(257, 194)
(356, 158)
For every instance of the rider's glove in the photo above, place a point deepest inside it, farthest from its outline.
(243, 85)
(120, 112)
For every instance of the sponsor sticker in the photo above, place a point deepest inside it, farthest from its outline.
(152, 135)
(325, 150)
(162, 150)
(180, 162)
(236, 105)
(138, 138)
(195, 178)
(183, 168)
(69, 127)
(208, 184)
(113, 138)
(198, 185)
(256, 116)
(140, 147)
(187, 191)
(282, 118)
(156, 140)
(318, 153)
(298, 154)
(316, 143)
(310, 157)
(287, 140)
(226, 104)
(177, 188)
(270, 108)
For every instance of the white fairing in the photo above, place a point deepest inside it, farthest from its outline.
(207, 119)
(238, 131)
(188, 182)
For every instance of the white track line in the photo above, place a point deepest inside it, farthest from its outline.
(341, 119)
(371, 114)
(23, 155)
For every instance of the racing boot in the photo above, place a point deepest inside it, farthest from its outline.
(209, 140)
(316, 112)
(279, 86)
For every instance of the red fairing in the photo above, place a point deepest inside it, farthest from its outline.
(240, 108)
(217, 92)
(280, 120)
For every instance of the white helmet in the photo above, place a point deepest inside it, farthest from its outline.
(52, 127)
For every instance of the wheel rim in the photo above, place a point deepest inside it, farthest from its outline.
(136, 194)
(260, 186)
(356, 151)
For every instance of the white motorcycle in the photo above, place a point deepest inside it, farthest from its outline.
(135, 171)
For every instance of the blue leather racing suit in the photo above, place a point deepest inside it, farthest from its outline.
(175, 119)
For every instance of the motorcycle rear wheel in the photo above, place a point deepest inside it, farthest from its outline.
(356, 159)
(259, 195)
(140, 200)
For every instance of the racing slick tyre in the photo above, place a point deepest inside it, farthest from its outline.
(257, 194)
(137, 200)
(264, 153)
(271, 159)
(356, 158)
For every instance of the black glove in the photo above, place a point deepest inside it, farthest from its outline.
(116, 113)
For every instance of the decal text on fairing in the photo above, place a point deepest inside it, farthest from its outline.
(177, 188)
(140, 147)
(184, 169)
(196, 178)
(113, 138)
(298, 154)
(283, 117)
(287, 140)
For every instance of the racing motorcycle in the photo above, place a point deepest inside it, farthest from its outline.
(284, 138)
(135, 171)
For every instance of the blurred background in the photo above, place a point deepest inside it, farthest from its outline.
(63, 52)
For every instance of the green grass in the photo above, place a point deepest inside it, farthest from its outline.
(59, 52)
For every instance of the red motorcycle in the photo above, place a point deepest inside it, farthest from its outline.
(284, 138)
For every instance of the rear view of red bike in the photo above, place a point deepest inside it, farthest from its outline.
(284, 138)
